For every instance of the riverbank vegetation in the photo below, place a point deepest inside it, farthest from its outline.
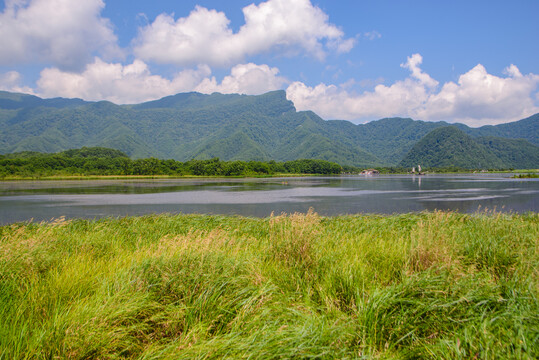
(96, 162)
(109, 162)
(428, 285)
(526, 176)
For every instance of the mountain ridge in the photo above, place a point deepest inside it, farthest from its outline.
(449, 146)
(229, 126)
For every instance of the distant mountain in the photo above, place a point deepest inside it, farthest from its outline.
(231, 126)
(527, 129)
(515, 153)
(13, 101)
(451, 147)
(388, 139)
(183, 127)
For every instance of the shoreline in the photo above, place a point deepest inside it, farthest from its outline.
(156, 177)
(284, 175)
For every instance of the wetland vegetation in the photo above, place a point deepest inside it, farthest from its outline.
(424, 285)
(97, 161)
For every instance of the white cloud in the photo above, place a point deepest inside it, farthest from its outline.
(135, 83)
(334, 102)
(117, 83)
(412, 64)
(477, 99)
(480, 98)
(62, 32)
(287, 26)
(11, 81)
(250, 79)
(372, 35)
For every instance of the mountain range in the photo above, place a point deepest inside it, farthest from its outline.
(263, 127)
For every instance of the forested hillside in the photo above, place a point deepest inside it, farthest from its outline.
(451, 147)
(527, 129)
(232, 127)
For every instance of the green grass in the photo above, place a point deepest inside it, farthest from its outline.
(143, 177)
(526, 176)
(428, 285)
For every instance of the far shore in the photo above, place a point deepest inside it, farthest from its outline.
(152, 177)
(520, 173)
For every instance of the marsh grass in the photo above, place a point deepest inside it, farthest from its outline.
(428, 285)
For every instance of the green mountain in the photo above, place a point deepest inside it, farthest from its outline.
(388, 139)
(526, 129)
(182, 127)
(451, 147)
(19, 101)
(517, 153)
(232, 127)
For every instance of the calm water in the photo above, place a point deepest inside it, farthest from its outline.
(44, 200)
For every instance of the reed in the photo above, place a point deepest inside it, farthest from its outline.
(426, 285)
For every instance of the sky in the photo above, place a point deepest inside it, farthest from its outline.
(473, 62)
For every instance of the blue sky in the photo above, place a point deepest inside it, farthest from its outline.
(474, 62)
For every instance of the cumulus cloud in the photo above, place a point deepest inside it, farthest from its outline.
(11, 81)
(481, 98)
(250, 79)
(135, 83)
(335, 102)
(61, 32)
(205, 36)
(117, 83)
(478, 98)
(412, 64)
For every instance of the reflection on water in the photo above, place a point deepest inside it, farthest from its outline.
(43, 200)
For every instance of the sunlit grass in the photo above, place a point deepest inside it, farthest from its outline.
(427, 285)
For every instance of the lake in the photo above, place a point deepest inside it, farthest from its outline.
(383, 194)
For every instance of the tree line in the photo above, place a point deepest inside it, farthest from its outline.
(104, 161)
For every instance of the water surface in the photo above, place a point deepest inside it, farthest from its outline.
(384, 194)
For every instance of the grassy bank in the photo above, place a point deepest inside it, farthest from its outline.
(519, 174)
(429, 285)
(152, 177)
(526, 176)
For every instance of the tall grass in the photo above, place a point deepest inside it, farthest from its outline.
(429, 285)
